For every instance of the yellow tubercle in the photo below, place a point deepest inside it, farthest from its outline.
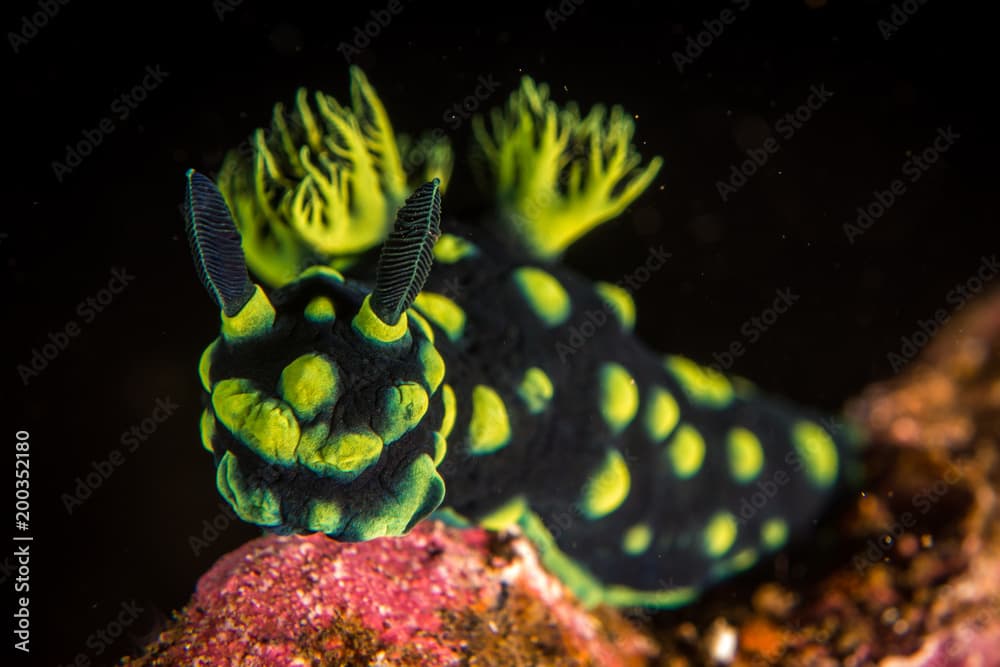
(205, 365)
(536, 390)
(451, 249)
(701, 384)
(686, 451)
(309, 384)
(620, 302)
(368, 325)
(546, 297)
(619, 397)
(607, 488)
(816, 452)
(489, 428)
(450, 410)
(255, 319)
(264, 424)
(506, 515)
(443, 312)
(637, 539)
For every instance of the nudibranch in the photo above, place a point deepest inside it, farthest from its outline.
(355, 389)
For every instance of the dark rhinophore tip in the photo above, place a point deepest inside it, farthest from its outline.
(406, 257)
(216, 245)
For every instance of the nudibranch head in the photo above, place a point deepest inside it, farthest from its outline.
(324, 395)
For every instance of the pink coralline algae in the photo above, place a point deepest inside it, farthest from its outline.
(438, 596)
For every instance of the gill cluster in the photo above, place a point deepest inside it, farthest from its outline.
(294, 449)
(558, 174)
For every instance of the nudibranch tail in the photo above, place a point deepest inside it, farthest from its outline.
(558, 175)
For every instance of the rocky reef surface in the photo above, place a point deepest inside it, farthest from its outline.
(905, 573)
(438, 596)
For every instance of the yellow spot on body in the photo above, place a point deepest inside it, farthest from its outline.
(450, 410)
(741, 561)
(326, 516)
(545, 296)
(433, 365)
(506, 515)
(344, 456)
(320, 310)
(310, 385)
(817, 452)
(619, 398)
(450, 249)
(661, 415)
(620, 301)
(326, 272)
(440, 448)
(746, 456)
(264, 424)
(254, 504)
(422, 324)
(686, 451)
(743, 387)
(608, 488)
(720, 534)
(535, 390)
(207, 429)
(489, 428)
(443, 312)
(205, 365)
(400, 409)
(255, 319)
(774, 533)
(368, 324)
(637, 539)
(702, 385)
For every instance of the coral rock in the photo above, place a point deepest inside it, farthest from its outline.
(438, 596)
